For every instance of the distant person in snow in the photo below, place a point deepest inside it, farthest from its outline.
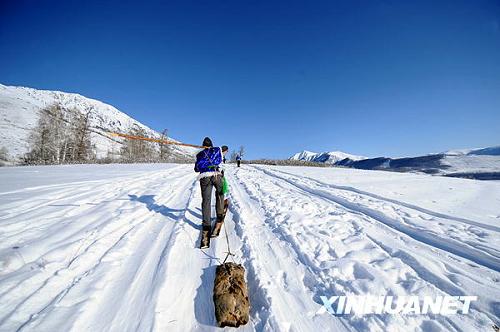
(224, 150)
(238, 160)
(208, 165)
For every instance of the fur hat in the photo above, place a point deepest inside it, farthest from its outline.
(207, 142)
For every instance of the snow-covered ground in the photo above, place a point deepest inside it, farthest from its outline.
(113, 247)
(472, 163)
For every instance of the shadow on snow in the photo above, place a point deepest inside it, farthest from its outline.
(176, 214)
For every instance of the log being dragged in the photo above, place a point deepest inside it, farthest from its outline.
(231, 302)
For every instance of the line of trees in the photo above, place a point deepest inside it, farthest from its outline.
(137, 151)
(286, 162)
(63, 136)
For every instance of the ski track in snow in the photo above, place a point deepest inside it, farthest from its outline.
(120, 254)
(360, 250)
(407, 221)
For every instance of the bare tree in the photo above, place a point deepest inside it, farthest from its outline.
(233, 155)
(3, 153)
(81, 127)
(46, 137)
(164, 148)
(68, 146)
(4, 156)
(241, 151)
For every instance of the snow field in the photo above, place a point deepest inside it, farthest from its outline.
(118, 252)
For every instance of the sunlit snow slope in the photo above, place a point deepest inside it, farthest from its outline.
(20, 109)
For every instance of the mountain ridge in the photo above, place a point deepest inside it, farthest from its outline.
(20, 109)
(324, 157)
(478, 163)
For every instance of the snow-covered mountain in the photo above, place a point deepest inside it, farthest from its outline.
(324, 157)
(490, 151)
(479, 163)
(20, 109)
(482, 163)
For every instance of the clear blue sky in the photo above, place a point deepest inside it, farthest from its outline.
(367, 77)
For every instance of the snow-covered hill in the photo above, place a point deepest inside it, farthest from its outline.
(324, 157)
(480, 163)
(490, 151)
(114, 247)
(20, 109)
(483, 163)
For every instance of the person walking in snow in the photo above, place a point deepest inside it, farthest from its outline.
(238, 160)
(208, 165)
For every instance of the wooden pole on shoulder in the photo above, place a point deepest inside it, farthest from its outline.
(156, 140)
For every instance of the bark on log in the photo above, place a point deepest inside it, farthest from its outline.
(231, 295)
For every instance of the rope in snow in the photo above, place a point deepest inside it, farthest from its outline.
(229, 253)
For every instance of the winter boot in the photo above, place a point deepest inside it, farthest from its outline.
(218, 226)
(205, 238)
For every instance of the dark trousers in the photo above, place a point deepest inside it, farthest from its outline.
(206, 197)
(238, 162)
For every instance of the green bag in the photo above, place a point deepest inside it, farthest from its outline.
(225, 186)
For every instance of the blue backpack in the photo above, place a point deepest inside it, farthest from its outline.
(208, 160)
